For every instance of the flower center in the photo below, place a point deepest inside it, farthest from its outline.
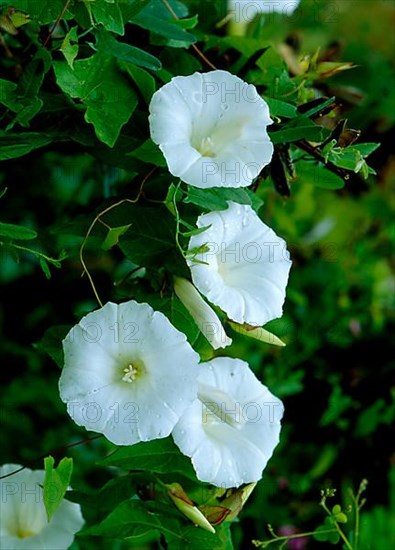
(220, 406)
(130, 373)
(206, 147)
(28, 519)
(24, 533)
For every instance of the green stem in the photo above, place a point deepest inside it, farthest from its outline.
(35, 252)
(177, 222)
(285, 538)
(357, 505)
(356, 529)
(338, 528)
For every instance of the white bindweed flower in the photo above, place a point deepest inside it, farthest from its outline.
(23, 519)
(232, 428)
(128, 373)
(242, 266)
(245, 10)
(204, 316)
(211, 128)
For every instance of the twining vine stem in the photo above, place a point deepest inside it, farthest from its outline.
(193, 46)
(67, 4)
(92, 225)
(53, 451)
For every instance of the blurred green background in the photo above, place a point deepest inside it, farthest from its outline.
(335, 376)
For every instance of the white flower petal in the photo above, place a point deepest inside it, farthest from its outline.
(246, 265)
(132, 379)
(231, 430)
(23, 519)
(211, 129)
(204, 316)
(245, 10)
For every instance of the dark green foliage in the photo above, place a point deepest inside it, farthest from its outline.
(80, 170)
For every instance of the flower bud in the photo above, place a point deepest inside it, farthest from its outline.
(187, 507)
(203, 315)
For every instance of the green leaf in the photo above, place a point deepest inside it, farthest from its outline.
(143, 80)
(366, 149)
(194, 231)
(113, 235)
(22, 98)
(320, 107)
(45, 268)
(140, 522)
(216, 198)
(109, 100)
(187, 23)
(124, 52)
(303, 129)
(56, 483)
(150, 153)
(338, 403)
(348, 158)
(317, 174)
(174, 194)
(51, 343)
(133, 519)
(161, 456)
(157, 19)
(280, 108)
(130, 8)
(7, 94)
(380, 412)
(326, 533)
(44, 12)
(17, 232)
(114, 492)
(151, 236)
(336, 509)
(109, 14)
(69, 47)
(18, 18)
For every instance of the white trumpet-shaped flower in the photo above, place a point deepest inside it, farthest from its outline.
(128, 373)
(232, 428)
(211, 128)
(204, 316)
(23, 520)
(245, 10)
(242, 265)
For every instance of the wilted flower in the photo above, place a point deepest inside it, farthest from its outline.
(231, 430)
(211, 129)
(23, 519)
(204, 316)
(128, 373)
(242, 265)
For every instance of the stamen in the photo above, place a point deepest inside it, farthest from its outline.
(206, 148)
(130, 373)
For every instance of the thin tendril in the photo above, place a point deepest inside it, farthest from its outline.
(53, 451)
(193, 46)
(57, 22)
(92, 225)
